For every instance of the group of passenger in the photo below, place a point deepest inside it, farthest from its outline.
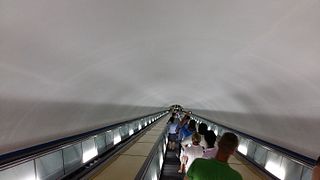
(199, 158)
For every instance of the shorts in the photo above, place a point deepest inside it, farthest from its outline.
(172, 137)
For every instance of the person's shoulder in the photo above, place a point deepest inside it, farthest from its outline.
(199, 148)
(316, 171)
(201, 160)
(316, 168)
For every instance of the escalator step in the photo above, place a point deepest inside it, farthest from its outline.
(170, 167)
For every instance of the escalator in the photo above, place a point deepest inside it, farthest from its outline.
(170, 167)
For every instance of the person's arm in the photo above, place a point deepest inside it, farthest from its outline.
(178, 128)
(184, 129)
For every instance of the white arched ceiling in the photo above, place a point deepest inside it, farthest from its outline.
(70, 66)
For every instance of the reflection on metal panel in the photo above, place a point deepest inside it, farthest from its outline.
(25, 171)
(50, 166)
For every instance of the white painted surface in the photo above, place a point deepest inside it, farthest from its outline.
(68, 66)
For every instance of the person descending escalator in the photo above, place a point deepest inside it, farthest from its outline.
(191, 152)
(211, 151)
(218, 168)
(202, 129)
(182, 124)
(172, 137)
(188, 128)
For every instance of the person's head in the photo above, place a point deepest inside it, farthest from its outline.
(196, 138)
(318, 161)
(202, 129)
(228, 143)
(192, 125)
(210, 138)
(171, 119)
(175, 115)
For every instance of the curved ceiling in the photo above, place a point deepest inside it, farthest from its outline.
(252, 65)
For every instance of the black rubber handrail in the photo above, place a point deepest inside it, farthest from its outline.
(85, 173)
(23, 155)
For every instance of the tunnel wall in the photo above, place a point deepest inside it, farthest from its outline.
(27, 123)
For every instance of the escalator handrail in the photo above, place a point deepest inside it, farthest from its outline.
(294, 155)
(14, 158)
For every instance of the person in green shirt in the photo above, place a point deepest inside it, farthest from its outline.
(218, 168)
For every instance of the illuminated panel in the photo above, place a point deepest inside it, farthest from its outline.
(130, 132)
(243, 149)
(276, 169)
(89, 150)
(216, 131)
(155, 177)
(160, 160)
(116, 136)
(164, 147)
(23, 171)
(243, 146)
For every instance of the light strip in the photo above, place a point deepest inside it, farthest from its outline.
(130, 132)
(89, 155)
(243, 149)
(276, 169)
